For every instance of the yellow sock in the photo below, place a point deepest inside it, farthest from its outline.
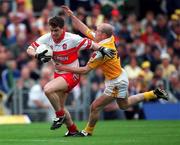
(149, 95)
(89, 129)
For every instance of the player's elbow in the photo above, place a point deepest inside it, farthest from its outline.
(29, 49)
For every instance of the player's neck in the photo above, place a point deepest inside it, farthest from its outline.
(60, 38)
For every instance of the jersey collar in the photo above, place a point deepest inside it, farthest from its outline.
(107, 40)
(60, 38)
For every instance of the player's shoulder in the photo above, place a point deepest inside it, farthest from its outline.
(45, 36)
(72, 35)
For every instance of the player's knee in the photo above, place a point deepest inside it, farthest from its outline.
(123, 106)
(47, 90)
(94, 108)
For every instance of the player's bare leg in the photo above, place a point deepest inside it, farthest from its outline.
(132, 100)
(72, 129)
(95, 109)
(125, 103)
(52, 90)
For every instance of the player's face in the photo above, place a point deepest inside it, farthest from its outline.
(98, 34)
(56, 32)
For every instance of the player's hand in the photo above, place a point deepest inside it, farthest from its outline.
(42, 57)
(46, 59)
(67, 10)
(107, 51)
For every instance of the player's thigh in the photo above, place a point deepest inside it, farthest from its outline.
(101, 102)
(58, 84)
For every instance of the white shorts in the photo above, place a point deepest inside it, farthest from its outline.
(118, 87)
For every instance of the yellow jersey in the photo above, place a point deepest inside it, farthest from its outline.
(111, 67)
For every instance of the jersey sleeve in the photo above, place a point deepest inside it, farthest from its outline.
(81, 43)
(95, 60)
(41, 40)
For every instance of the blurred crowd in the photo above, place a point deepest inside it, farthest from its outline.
(149, 48)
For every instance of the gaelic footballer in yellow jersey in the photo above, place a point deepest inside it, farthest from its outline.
(116, 83)
(110, 67)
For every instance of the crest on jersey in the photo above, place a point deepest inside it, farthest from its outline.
(64, 46)
(51, 46)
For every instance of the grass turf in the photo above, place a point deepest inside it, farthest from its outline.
(106, 133)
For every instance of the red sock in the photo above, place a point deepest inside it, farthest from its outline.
(60, 113)
(72, 128)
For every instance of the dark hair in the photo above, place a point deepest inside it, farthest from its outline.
(56, 22)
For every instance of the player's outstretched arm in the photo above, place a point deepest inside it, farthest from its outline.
(104, 51)
(78, 70)
(80, 25)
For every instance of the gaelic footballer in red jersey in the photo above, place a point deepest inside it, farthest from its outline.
(65, 48)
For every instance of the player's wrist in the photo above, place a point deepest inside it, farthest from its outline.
(101, 48)
(72, 15)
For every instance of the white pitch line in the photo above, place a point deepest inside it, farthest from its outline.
(31, 140)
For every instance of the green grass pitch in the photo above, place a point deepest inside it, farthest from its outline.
(106, 133)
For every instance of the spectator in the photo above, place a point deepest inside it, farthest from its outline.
(132, 69)
(138, 44)
(15, 28)
(42, 22)
(149, 36)
(148, 74)
(158, 80)
(96, 18)
(24, 83)
(176, 62)
(18, 47)
(115, 21)
(156, 58)
(162, 26)
(131, 54)
(38, 100)
(3, 57)
(131, 21)
(34, 70)
(162, 45)
(124, 34)
(175, 85)
(167, 67)
(10, 76)
(5, 8)
(147, 55)
(176, 47)
(148, 20)
(174, 34)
